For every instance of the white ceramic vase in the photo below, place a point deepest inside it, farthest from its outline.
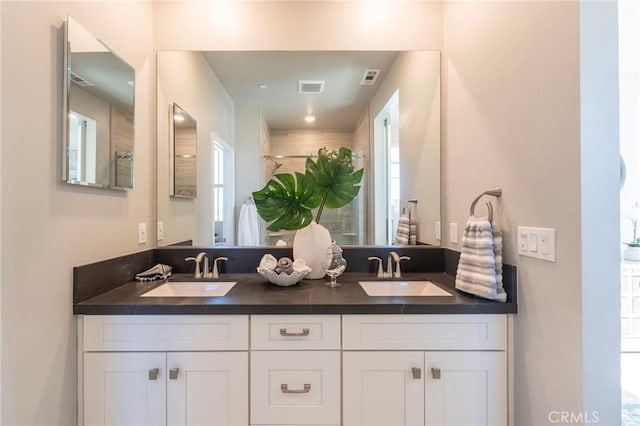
(632, 253)
(310, 244)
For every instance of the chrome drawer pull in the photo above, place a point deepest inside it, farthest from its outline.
(153, 373)
(285, 389)
(435, 373)
(284, 332)
(417, 372)
(173, 373)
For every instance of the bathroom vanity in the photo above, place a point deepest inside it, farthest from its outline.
(307, 354)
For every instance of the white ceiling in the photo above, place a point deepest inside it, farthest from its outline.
(338, 108)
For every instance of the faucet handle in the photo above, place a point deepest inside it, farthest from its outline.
(215, 272)
(380, 272)
(398, 274)
(197, 273)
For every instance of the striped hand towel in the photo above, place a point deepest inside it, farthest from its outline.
(403, 232)
(480, 265)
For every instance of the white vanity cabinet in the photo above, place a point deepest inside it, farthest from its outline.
(368, 370)
(295, 370)
(163, 370)
(424, 370)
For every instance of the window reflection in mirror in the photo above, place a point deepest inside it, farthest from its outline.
(99, 110)
(223, 192)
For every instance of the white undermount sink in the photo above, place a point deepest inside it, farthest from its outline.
(191, 289)
(402, 288)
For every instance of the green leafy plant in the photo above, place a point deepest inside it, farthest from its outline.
(330, 181)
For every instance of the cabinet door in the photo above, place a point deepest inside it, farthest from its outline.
(122, 389)
(466, 388)
(383, 388)
(207, 388)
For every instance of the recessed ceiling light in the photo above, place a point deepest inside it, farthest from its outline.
(262, 86)
(309, 119)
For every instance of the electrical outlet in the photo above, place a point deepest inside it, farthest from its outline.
(438, 231)
(142, 233)
(539, 243)
(160, 231)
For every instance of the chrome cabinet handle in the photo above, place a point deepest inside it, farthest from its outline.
(284, 332)
(285, 389)
(416, 372)
(435, 373)
(173, 373)
(153, 373)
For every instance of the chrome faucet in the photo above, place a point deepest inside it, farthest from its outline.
(391, 258)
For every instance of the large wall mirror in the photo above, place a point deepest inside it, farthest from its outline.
(99, 113)
(263, 113)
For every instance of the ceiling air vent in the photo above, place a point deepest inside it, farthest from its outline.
(310, 86)
(369, 77)
(79, 80)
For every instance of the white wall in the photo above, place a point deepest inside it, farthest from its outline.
(512, 119)
(293, 25)
(49, 226)
(187, 79)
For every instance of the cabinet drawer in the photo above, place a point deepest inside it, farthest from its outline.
(165, 332)
(291, 332)
(424, 332)
(297, 388)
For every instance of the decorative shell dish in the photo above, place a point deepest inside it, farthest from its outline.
(283, 272)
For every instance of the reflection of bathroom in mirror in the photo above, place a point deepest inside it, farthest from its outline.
(383, 105)
(184, 153)
(99, 113)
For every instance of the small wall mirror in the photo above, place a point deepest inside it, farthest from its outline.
(184, 154)
(99, 112)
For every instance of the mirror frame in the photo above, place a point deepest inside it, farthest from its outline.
(66, 112)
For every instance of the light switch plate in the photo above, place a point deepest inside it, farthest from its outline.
(453, 233)
(160, 231)
(539, 243)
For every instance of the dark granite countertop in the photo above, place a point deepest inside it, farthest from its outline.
(255, 295)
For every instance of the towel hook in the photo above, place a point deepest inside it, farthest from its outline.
(496, 192)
